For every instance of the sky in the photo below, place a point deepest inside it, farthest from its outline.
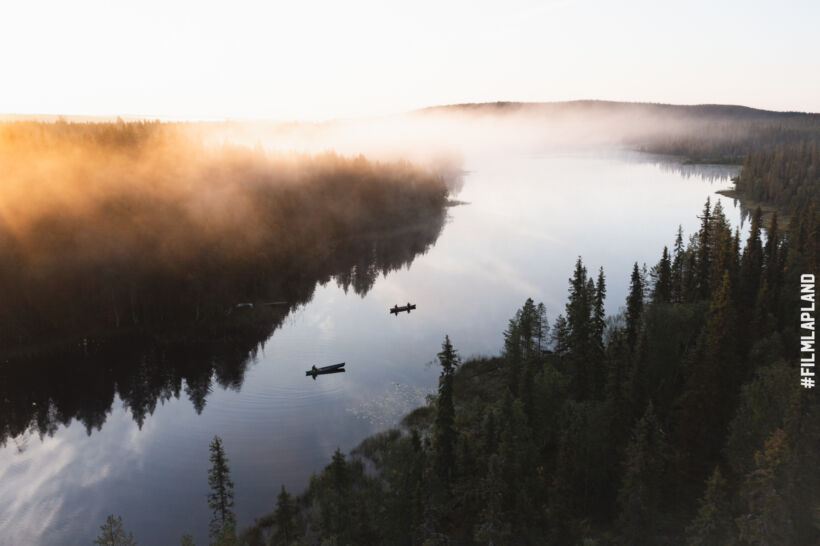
(316, 60)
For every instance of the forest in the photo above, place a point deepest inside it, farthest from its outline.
(680, 420)
(786, 176)
(112, 229)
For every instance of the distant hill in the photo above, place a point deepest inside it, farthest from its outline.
(701, 133)
(726, 111)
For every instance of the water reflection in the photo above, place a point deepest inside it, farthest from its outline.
(43, 393)
(528, 219)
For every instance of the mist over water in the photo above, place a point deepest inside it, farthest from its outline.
(529, 216)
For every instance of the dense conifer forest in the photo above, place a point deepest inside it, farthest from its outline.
(786, 176)
(679, 420)
(108, 228)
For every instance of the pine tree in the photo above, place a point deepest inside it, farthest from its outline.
(445, 435)
(220, 499)
(113, 534)
(713, 523)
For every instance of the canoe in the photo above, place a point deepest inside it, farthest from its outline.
(396, 309)
(333, 368)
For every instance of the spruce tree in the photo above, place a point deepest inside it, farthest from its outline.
(677, 267)
(634, 307)
(333, 520)
(579, 330)
(513, 352)
(704, 255)
(560, 336)
(713, 523)
(767, 518)
(445, 435)
(662, 292)
(579, 308)
(771, 263)
(493, 526)
(598, 311)
(643, 476)
(543, 328)
(284, 519)
(711, 386)
(723, 256)
(751, 263)
(597, 353)
(690, 274)
(220, 499)
(527, 318)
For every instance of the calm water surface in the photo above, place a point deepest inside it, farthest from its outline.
(528, 219)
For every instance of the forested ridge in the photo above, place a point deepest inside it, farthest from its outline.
(108, 228)
(786, 176)
(679, 420)
(703, 133)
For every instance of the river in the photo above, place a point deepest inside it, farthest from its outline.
(117, 440)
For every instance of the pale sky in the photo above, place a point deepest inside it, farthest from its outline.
(314, 60)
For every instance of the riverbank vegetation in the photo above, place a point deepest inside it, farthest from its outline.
(786, 176)
(108, 228)
(679, 420)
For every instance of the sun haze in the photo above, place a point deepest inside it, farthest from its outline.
(316, 60)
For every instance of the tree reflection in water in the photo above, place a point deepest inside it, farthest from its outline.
(145, 367)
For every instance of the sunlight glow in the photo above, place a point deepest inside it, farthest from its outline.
(321, 59)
